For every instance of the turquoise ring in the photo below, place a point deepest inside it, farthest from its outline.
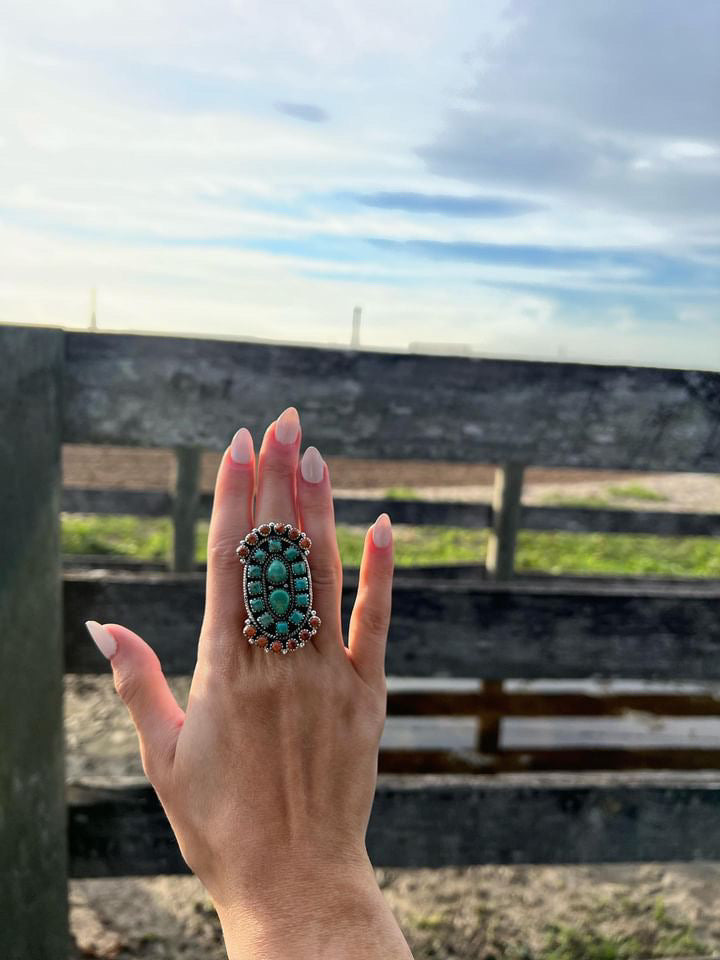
(277, 587)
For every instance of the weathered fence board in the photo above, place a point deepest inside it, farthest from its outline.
(33, 900)
(152, 503)
(448, 629)
(180, 391)
(585, 819)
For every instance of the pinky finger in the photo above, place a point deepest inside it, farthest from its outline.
(367, 638)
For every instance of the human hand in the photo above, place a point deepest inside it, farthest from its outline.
(268, 777)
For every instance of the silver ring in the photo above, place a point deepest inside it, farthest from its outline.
(277, 587)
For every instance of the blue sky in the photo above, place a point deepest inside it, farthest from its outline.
(536, 178)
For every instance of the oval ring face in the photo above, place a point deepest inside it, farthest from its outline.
(277, 587)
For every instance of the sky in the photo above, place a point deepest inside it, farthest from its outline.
(519, 178)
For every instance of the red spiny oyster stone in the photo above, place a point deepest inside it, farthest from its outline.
(249, 630)
(252, 539)
(243, 550)
(264, 529)
(305, 635)
(279, 527)
(292, 644)
(262, 641)
(276, 646)
(315, 621)
(305, 543)
(293, 533)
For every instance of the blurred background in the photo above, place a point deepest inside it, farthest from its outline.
(500, 179)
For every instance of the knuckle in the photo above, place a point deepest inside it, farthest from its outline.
(128, 687)
(221, 552)
(325, 573)
(375, 619)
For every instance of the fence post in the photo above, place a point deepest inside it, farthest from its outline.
(500, 566)
(33, 837)
(185, 507)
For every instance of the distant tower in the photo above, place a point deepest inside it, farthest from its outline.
(357, 317)
(93, 309)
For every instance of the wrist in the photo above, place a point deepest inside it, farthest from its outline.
(317, 914)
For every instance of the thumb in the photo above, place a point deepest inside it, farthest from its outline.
(141, 684)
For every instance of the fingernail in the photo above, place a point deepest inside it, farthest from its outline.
(241, 448)
(382, 531)
(312, 465)
(104, 640)
(287, 426)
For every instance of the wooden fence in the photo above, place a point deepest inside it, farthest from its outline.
(188, 394)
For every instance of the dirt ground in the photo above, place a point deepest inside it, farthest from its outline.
(476, 913)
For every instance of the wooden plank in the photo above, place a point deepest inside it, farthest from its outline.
(542, 761)
(185, 504)
(162, 391)
(353, 510)
(556, 818)
(508, 704)
(33, 889)
(449, 628)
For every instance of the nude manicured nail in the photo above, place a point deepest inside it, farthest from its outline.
(241, 448)
(312, 465)
(104, 640)
(287, 426)
(382, 531)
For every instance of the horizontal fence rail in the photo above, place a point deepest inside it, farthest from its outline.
(452, 629)
(610, 818)
(158, 391)
(423, 512)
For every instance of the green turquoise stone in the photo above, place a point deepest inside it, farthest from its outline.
(255, 589)
(277, 571)
(274, 546)
(265, 620)
(301, 583)
(301, 600)
(299, 567)
(257, 604)
(296, 617)
(279, 601)
(292, 553)
(259, 555)
(255, 571)
(281, 628)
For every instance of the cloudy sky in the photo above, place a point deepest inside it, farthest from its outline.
(533, 178)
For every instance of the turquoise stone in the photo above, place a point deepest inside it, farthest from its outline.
(277, 571)
(281, 628)
(301, 600)
(292, 553)
(257, 604)
(301, 583)
(259, 555)
(279, 601)
(274, 546)
(255, 589)
(299, 567)
(296, 617)
(265, 620)
(255, 571)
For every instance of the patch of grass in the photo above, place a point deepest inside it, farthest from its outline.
(569, 943)
(401, 493)
(635, 491)
(430, 921)
(559, 553)
(145, 538)
(567, 500)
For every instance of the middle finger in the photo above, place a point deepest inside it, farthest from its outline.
(276, 497)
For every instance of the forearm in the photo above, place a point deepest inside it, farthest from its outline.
(344, 920)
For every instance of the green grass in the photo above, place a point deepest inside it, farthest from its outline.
(401, 493)
(558, 553)
(630, 491)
